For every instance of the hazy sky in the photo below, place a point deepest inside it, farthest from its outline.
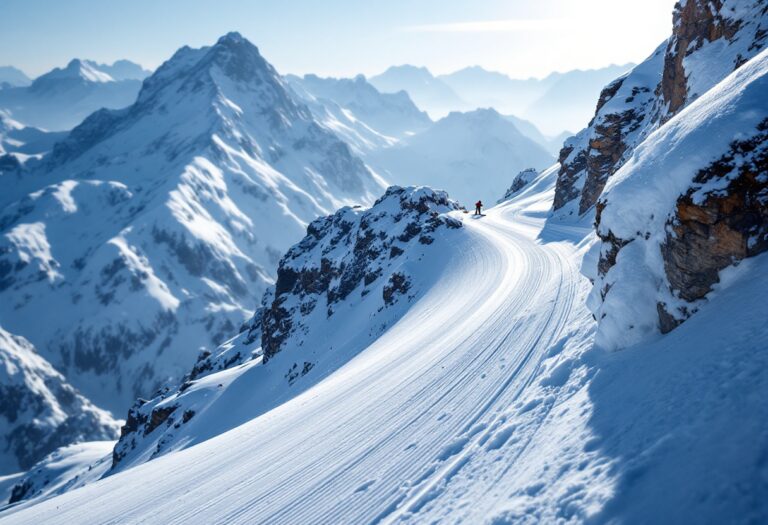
(341, 37)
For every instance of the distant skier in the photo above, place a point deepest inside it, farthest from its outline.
(479, 208)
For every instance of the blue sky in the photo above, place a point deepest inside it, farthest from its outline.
(341, 37)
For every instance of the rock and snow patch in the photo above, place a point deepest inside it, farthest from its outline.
(690, 201)
(709, 41)
(64, 469)
(520, 181)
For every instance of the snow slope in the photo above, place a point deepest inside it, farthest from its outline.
(153, 231)
(486, 402)
(472, 155)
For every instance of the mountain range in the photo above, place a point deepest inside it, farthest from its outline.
(555, 103)
(590, 349)
(60, 99)
(177, 207)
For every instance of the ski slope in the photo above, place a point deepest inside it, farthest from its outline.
(385, 436)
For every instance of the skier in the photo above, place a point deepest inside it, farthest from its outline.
(478, 208)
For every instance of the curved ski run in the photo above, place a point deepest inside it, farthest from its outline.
(406, 431)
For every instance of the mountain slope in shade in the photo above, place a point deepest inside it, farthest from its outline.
(176, 210)
(13, 77)
(472, 155)
(62, 98)
(39, 410)
(427, 92)
(25, 142)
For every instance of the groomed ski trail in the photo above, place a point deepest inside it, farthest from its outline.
(383, 439)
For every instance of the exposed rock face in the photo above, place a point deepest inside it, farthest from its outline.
(39, 410)
(520, 181)
(633, 106)
(715, 228)
(694, 23)
(691, 202)
(622, 118)
(347, 252)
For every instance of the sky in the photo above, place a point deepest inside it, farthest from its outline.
(521, 38)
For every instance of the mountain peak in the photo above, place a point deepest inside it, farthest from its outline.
(232, 38)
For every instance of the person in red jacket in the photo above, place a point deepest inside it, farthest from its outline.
(478, 208)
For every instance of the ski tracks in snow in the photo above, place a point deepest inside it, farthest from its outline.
(415, 428)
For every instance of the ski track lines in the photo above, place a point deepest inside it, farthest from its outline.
(383, 439)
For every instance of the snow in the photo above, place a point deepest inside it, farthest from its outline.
(65, 469)
(641, 196)
(485, 401)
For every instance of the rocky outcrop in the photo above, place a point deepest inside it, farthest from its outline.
(681, 70)
(621, 119)
(520, 181)
(695, 22)
(691, 202)
(722, 219)
(350, 251)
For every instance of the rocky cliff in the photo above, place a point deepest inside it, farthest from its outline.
(709, 41)
(688, 205)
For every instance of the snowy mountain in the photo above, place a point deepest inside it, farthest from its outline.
(153, 230)
(427, 92)
(483, 88)
(124, 70)
(39, 410)
(357, 112)
(552, 144)
(62, 98)
(472, 155)
(13, 77)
